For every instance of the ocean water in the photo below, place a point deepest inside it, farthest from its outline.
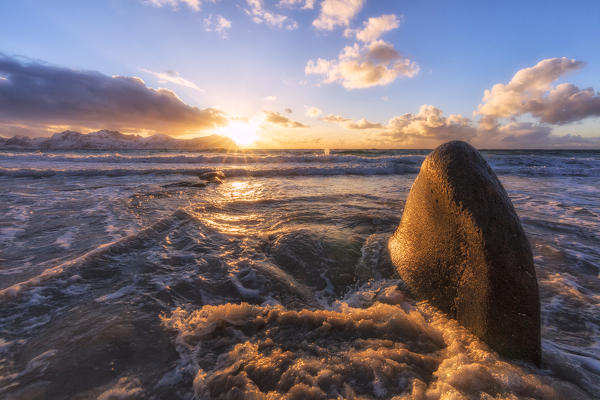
(275, 283)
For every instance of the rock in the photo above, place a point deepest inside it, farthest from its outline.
(216, 176)
(461, 246)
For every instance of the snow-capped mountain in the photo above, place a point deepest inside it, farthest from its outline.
(113, 140)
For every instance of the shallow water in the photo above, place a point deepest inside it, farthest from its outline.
(275, 283)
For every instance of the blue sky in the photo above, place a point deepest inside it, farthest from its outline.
(251, 67)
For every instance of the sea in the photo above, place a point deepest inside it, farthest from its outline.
(121, 280)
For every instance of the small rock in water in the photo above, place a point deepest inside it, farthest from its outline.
(213, 176)
(461, 246)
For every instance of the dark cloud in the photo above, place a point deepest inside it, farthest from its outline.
(279, 119)
(38, 94)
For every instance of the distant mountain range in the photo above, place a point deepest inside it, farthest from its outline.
(113, 140)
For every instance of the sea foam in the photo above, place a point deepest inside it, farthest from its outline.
(386, 348)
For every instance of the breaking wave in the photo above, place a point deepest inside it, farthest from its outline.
(378, 347)
(282, 163)
(221, 158)
(229, 172)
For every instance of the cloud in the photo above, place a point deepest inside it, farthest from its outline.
(193, 4)
(40, 94)
(566, 103)
(270, 98)
(313, 112)
(364, 124)
(336, 13)
(429, 128)
(530, 91)
(374, 27)
(429, 123)
(308, 4)
(279, 119)
(335, 119)
(374, 64)
(260, 15)
(217, 23)
(288, 110)
(523, 133)
(348, 123)
(171, 76)
(529, 135)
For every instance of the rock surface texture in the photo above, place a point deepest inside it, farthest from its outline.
(461, 246)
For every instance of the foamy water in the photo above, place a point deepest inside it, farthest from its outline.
(275, 283)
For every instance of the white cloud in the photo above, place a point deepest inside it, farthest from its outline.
(430, 123)
(193, 4)
(429, 128)
(374, 27)
(217, 23)
(375, 64)
(348, 123)
(336, 13)
(172, 77)
(259, 15)
(270, 98)
(530, 91)
(308, 4)
(313, 112)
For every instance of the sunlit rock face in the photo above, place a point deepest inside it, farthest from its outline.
(461, 246)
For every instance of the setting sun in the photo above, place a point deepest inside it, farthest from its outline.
(242, 133)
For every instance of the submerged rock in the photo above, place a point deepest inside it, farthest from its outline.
(461, 246)
(213, 176)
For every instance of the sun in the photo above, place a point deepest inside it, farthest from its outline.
(242, 133)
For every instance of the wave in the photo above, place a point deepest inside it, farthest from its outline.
(227, 158)
(281, 163)
(229, 172)
(376, 346)
(283, 171)
(93, 257)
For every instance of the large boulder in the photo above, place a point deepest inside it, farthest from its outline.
(461, 246)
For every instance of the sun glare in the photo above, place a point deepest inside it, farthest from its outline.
(242, 133)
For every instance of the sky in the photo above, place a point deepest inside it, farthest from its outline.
(306, 73)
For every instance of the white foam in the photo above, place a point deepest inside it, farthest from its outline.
(381, 350)
(126, 388)
(115, 295)
(65, 239)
